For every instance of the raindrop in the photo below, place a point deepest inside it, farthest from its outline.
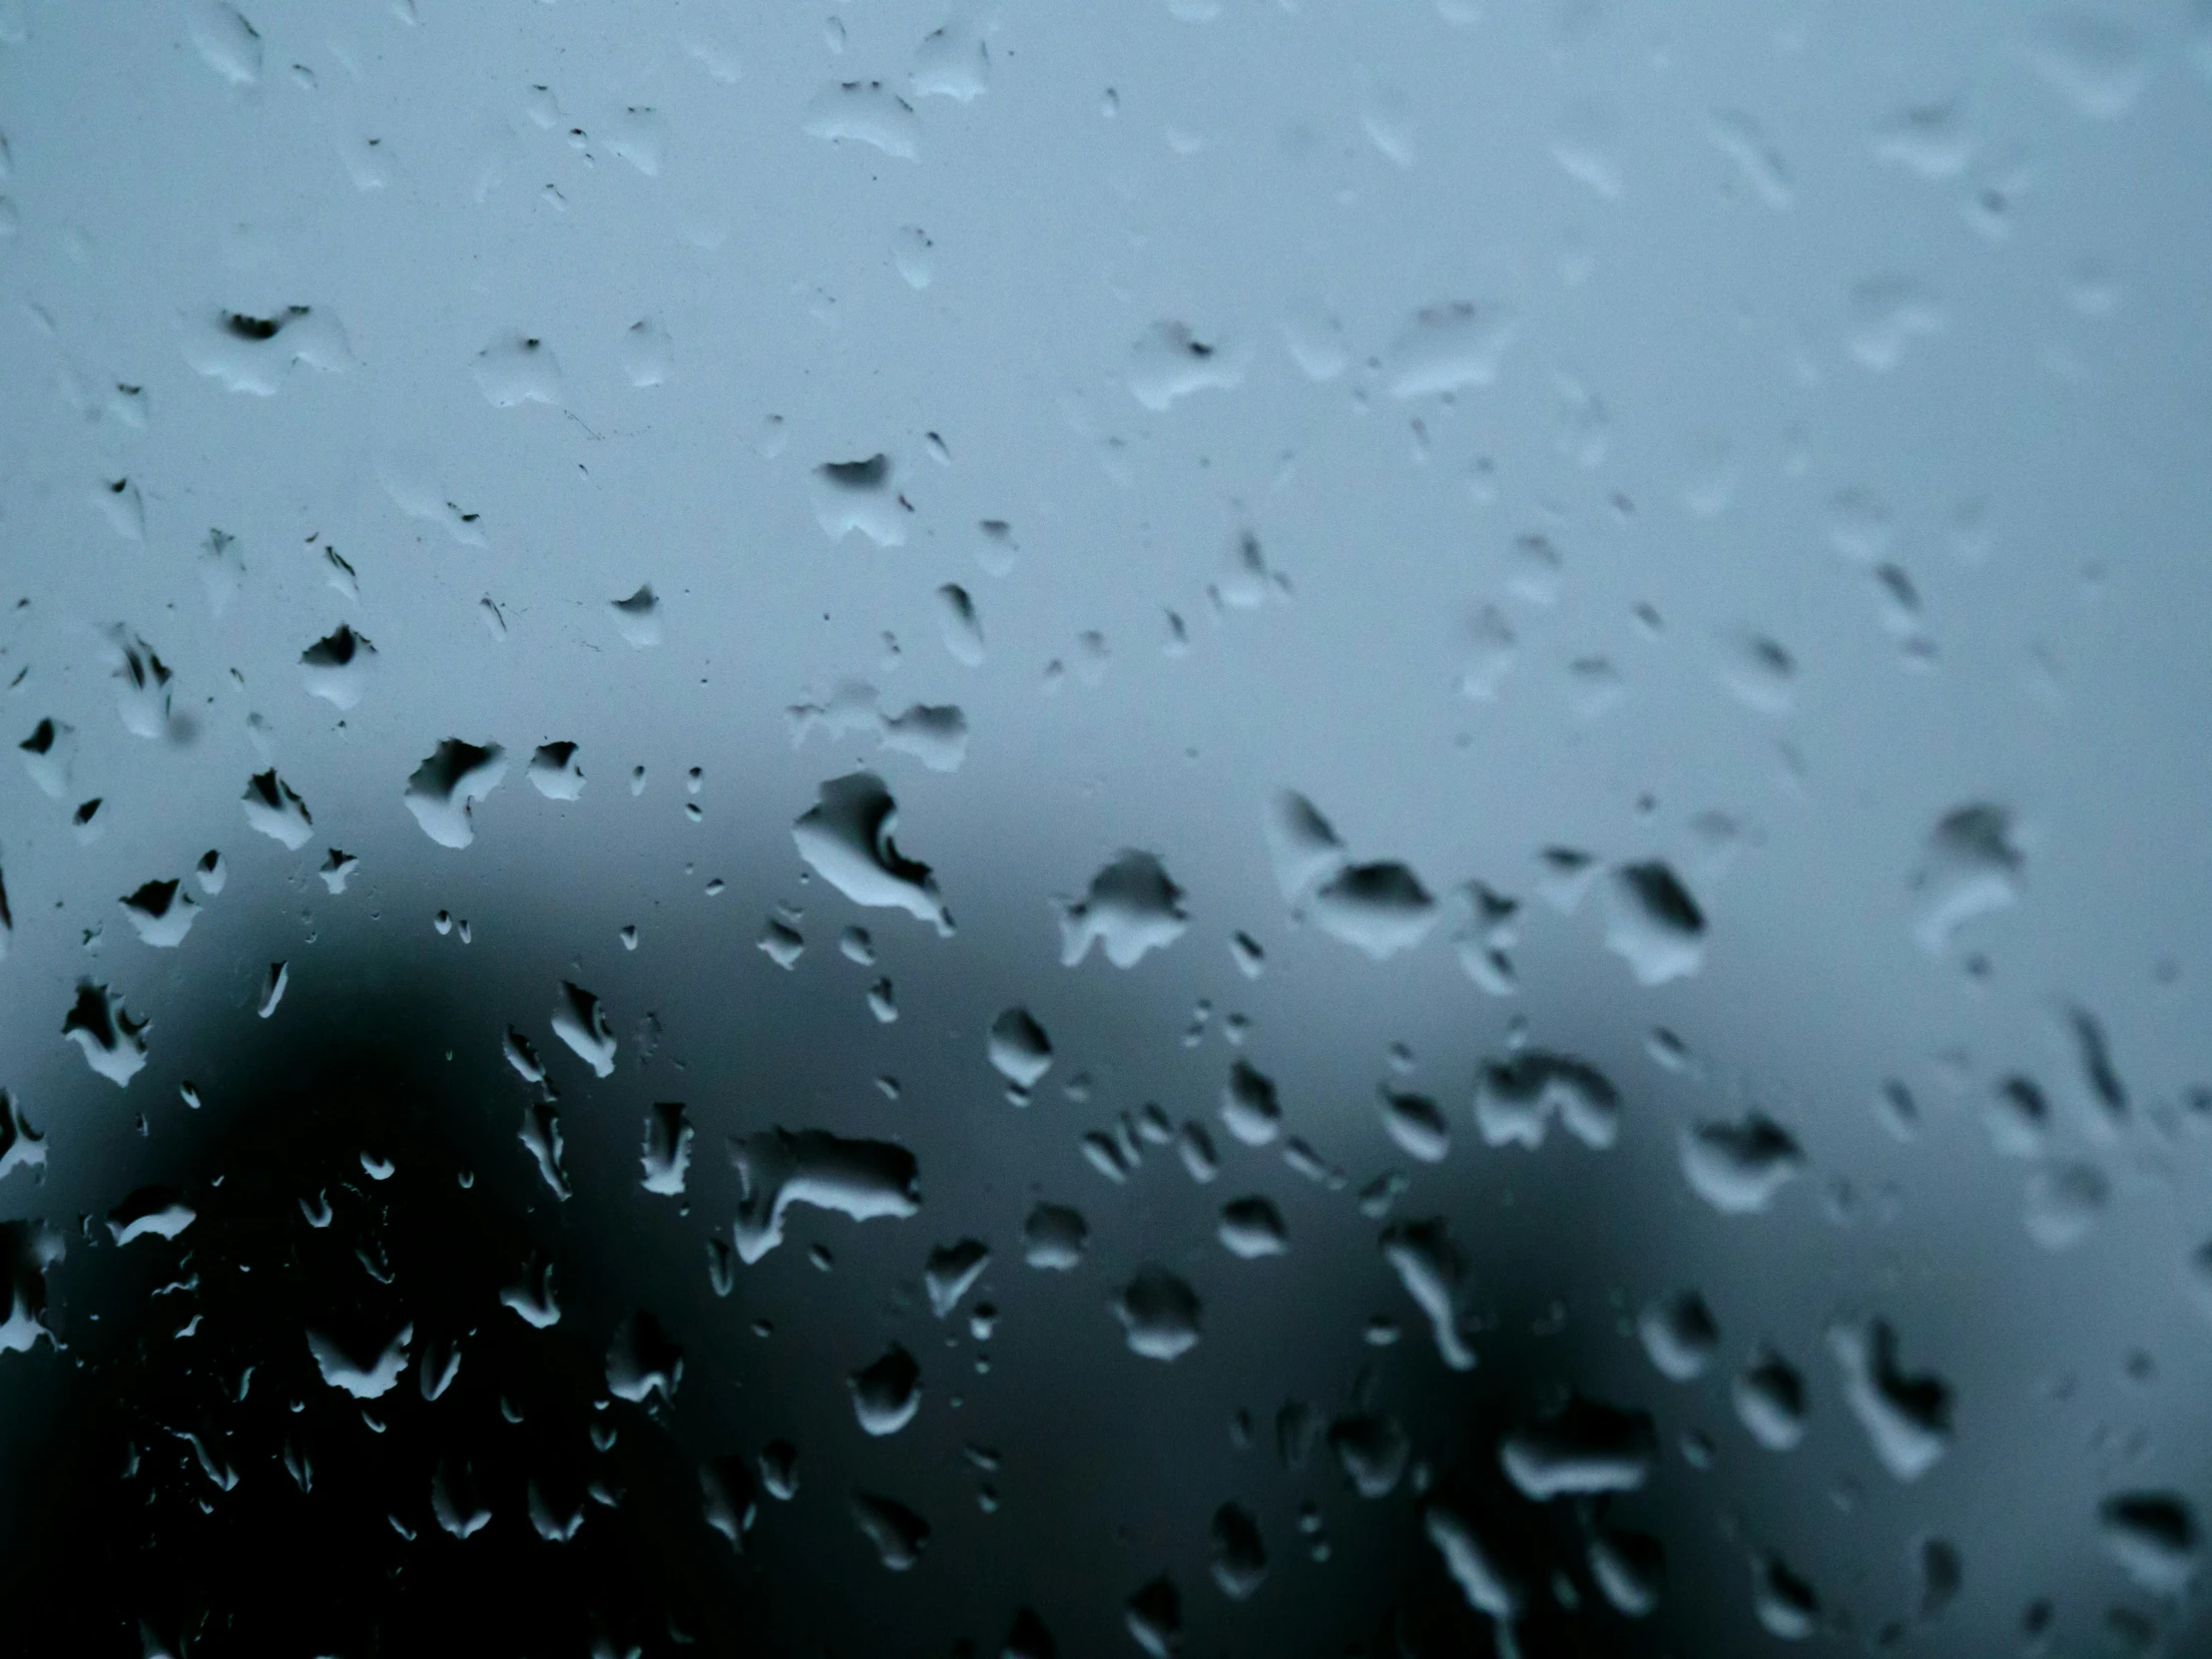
(1584, 1450)
(864, 1180)
(1653, 923)
(2154, 1538)
(1054, 1238)
(667, 1153)
(1251, 1228)
(1432, 1272)
(337, 667)
(160, 914)
(2064, 1204)
(951, 1271)
(898, 1534)
(1907, 1417)
(440, 792)
(1416, 1125)
(580, 1023)
(1131, 908)
(114, 1043)
(1019, 1048)
(1768, 1397)
(273, 808)
(1154, 1616)
(1372, 1451)
(1738, 1166)
(1249, 1106)
(886, 1392)
(151, 1212)
(638, 618)
(555, 773)
(846, 840)
(1680, 1335)
(1158, 1314)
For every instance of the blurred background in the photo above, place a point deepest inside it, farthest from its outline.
(1239, 828)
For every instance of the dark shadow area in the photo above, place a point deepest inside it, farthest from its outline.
(201, 1475)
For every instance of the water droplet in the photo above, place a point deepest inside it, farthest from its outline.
(2154, 1538)
(1907, 1417)
(364, 1382)
(114, 1043)
(1154, 1616)
(638, 618)
(1475, 1565)
(540, 1136)
(2093, 61)
(951, 63)
(1516, 1099)
(1159, 1314)
(886, 1392)
(858, 495)
(951, 1271)
(1169, 362)
(1680, 1335)
(1239, 1557)
(555, 772)
(864, 112)
(1416, 1125)
(2064, 1204)
(1653, 923)
(517, 370)
(252, 353)
(1372, 1451)
(1745, 143)
(21, 1146)
(1251, 1228)
(1019, 1049)
(1784, 1602)
(273, 808)
(846, 840)
(1054, 1238)
(1381, 908)
(1626, 1566)
(1447, 347)
(1434, 1274)
(898, 1534)
(1586, 1448)
(1132, 907)
(781, 943)
(957, 623)
(1249, 1106)
(441, 1362)
(580, 1023)
(532, 1300)
(227, 43)
(441, 790)
(151, 1212)
(667, 1153)
(1768, 1397)
(1738, 1166)
(645, 352)
(160, 914)
(864, 1180)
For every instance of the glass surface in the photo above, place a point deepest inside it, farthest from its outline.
(1255, 827)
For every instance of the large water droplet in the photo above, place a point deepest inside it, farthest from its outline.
(1132, 907)
(1158, 1314)
(846, 838)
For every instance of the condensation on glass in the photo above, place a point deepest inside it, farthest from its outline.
(1259, 828)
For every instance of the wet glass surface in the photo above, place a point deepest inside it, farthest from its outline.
(1244, 828)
